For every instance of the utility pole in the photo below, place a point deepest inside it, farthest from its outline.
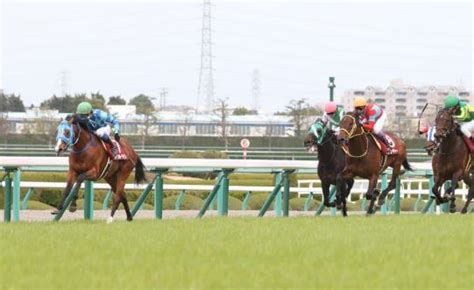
(64, 82)
(206, 80)
(331, 87)
(256, 90)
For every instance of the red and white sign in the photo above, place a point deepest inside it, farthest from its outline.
(245, 143)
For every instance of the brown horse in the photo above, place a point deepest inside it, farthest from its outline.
(89, 160)
(452, 160)
(364, 159)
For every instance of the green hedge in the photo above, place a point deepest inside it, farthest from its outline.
(298, 204)
(189, 202)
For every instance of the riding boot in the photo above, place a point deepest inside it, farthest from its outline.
(112, 145)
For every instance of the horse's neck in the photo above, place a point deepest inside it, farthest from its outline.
(326, 151)
(358, 143)
(451, 142)
(84, 138)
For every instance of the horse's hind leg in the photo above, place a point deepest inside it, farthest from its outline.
(469, 181)
(391, 185)
(119, 196)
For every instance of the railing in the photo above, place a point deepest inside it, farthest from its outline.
(275, 153)
(279, 193)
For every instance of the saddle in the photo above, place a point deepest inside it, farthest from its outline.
(121, 154)
(384, 149)
(469, 143)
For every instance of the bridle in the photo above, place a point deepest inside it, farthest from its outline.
(71, 141)
(352, 134)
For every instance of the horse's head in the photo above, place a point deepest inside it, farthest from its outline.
(65, 135)
(316, 136)
(444, 124)
(347, 128)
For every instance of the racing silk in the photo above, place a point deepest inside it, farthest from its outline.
(372, 114)
(100, 119)
(333, 123)
(465, 113)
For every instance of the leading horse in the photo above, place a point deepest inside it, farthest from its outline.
(451, 161)
(332, 161)
(366, 160)
(89, 160)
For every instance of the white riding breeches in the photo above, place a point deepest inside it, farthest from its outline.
(379, 123)
(467, 128)
(103, 131)
(431, 133)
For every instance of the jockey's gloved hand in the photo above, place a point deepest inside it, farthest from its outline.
(117, 137)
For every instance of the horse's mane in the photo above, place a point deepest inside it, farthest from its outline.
(76, 120)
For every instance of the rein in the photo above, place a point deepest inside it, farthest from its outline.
(352, 134)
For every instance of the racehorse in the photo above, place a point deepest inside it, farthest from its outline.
(366, 160)
(452, 160)
(89, 160)
(331, 161)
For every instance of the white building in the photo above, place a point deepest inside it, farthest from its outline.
(401, 100)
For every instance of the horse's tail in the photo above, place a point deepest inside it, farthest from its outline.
(139, 171)
(407, 165)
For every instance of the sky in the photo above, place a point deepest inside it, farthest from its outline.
(128, 48)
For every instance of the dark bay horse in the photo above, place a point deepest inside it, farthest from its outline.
(88, 160)
(364, 159)
(331, 161)
(452, 160)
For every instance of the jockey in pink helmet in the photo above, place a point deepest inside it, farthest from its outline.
(332, 115)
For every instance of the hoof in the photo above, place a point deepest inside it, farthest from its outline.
(110, 220)
(130, 219)
(463, 211)
(452, 209)
(72, 208)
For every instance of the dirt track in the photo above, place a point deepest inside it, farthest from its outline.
(45, 215)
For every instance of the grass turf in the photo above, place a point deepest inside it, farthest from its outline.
(400, 252)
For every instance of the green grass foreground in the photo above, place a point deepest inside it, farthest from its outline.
(399, 252)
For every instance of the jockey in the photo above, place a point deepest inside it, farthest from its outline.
(332, 116)
(463, 113)
(373, 118)
(98, 122)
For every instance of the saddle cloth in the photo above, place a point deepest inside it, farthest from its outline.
(121, 154)
(469, 143)
(392, 150)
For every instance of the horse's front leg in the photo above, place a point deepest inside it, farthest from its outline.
(438, 182)
(325, 185)
(71, 179)
(372, 193)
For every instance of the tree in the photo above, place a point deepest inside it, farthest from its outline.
(241, 111)
(97, 101)
(11, 103)
(222, 111)
(185, 126)
(116, 100)
(68, 103)
(298, 111)
(4, 127)
(143, 103)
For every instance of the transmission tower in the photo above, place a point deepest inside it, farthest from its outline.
(256, 90)
(163, 94)
(206, 80)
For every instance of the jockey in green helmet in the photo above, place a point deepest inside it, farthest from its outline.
(462, 112)
(99, 122)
